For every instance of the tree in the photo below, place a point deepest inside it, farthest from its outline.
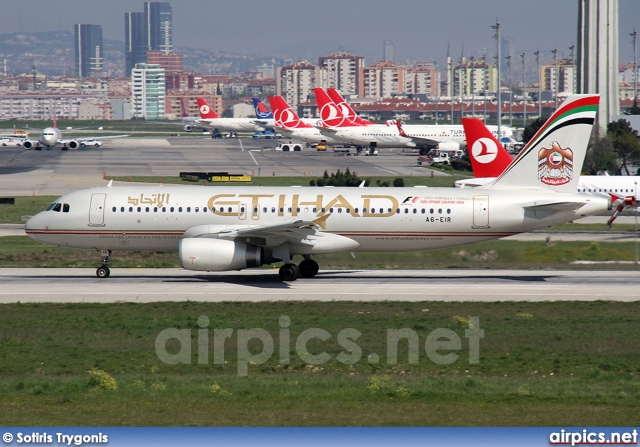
(398, 182)
(531, 129)
(600, 156)
(625, 142)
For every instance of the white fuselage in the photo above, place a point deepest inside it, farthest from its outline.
(50, 136)
(377, 219)
(236, 124)
(388, 136)
(310, 134)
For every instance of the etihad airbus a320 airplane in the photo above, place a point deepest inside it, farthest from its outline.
(232, 228)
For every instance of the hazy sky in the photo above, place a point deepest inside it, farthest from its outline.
(419, 29)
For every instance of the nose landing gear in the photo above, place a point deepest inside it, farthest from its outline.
(103, 271)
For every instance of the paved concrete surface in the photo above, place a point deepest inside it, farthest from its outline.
(150, 285)
(57, 172)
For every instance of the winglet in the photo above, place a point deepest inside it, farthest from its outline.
(110, 184)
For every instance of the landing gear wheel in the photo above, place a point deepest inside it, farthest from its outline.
(308, 268)
(289, 272)
(103, 272)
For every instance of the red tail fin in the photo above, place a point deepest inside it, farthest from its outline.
(284, 115)
(346, 109)
(205, 110)
(330, 113)
(488, 157)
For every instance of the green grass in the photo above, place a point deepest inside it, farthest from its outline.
(22, 251)
(540, 364)
(24, 206)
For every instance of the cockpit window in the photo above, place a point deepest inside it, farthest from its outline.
(51, 206)
(57, 207)
(65, 208)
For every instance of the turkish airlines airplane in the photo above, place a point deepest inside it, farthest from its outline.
(489, 159)
(346, 109)
(209, 118)
(52, 136)
(423, 137)
(236, 227)
(293, 127)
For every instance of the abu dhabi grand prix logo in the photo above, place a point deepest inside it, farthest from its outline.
(555, 165)
(331, 115)
(484, 150)
(287, 119)
(204, 109)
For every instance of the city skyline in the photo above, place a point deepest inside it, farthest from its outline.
(419, 30)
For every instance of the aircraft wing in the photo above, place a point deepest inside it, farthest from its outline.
(299, 232)
(422, 141)
(107, 137)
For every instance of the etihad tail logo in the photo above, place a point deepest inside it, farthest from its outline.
(555, 165)
(484, 150)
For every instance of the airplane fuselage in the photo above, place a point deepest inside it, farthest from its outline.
(374, 219)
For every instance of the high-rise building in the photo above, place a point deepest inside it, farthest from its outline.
(136, 45)
(88, 43)
(388, 51)
(342, 71)
(422, 79)
(566, 77)
(147, 91)
(598, 55)
(296, 82)
(159, 26)
(383, 80)
(474, 78)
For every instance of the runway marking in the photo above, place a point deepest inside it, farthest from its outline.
(386, 170)
(254, 160)
(241, 146)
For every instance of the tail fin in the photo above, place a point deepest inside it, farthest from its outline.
(346, 109)
(555, 154)
(204, 110)
(284, 115)
(262, 113)
(330, 113)
(488, 157)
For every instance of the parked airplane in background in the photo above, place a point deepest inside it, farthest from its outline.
(52, 136)
(293, 127)
(232, 228)
(209, 118)
(489, 159)
(346, 109)
(422, 137)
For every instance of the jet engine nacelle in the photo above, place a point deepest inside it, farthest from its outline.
(27, 144)
(187, 128)
(73, 144)
(448, 146)
(218, 255)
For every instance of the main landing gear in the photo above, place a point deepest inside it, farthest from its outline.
(103, 271)
(307, 269)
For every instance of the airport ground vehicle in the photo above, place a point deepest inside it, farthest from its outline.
(322, 146)
(289, 147)
(95, 143)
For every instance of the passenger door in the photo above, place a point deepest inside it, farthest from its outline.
(96, 210)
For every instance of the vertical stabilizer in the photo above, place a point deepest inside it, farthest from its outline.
(555, 155)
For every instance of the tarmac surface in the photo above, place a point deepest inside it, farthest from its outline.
(56, 172)
(153, 285)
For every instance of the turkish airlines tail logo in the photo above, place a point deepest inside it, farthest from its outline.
(204, 110)
(284, 115)
(555, 165)
(484, 150)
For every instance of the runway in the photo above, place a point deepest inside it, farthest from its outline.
(154, 285)
(55, 172)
